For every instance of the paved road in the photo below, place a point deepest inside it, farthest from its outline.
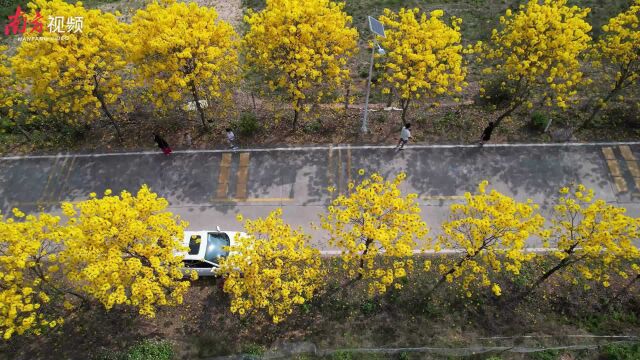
(209, 187)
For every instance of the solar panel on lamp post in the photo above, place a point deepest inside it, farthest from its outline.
(378, 29)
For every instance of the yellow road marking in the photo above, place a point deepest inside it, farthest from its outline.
(614, 168)
(626, 153)
(243, 172)
(633, 168)
(608, 153)
(616, 173)
(223, 177)
(621, 184)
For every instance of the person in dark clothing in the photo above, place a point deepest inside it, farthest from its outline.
(162, 144)
(486, 134)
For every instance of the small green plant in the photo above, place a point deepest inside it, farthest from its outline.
(151, 350)
(546, 355)
(313, 127)
(254, 349)
(621, 351)
(539, 120)
(368, 307)
(248, 124)
(145, 350)
(341, 355)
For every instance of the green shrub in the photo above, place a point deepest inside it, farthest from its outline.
(144, 350)
(546, 355)
(248, 124)
(254, 349)
(150, 350)
(621, 352)
(342, 355)
(313, 127)
(539, 120)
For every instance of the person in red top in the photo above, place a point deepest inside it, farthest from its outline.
(162, 144)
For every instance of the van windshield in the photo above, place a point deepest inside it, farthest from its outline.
(215, 244)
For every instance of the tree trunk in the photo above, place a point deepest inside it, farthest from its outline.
(508, 112)
(541, 279)
(24, 132)
(367, 243)
(598, 107)
(405, 107)
(194, 92)
(103, 104)
(296, 114)
(443, 278)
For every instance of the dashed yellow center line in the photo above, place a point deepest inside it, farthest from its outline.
(614, 169)
(223, 177)
(632, 164)
(626, 153)
(243, 172)
(608, 153)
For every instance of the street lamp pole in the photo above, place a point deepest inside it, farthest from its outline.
(376, 28)
(366, 102)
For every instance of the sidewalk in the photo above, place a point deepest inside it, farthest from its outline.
(208, 187)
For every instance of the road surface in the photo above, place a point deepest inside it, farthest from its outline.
(209, 187)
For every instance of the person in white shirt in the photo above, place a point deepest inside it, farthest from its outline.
(405, 134)
(231, 137)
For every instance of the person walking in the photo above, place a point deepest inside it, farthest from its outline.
(231, 137)
(405, 134)
(162, 144)
(486, 134)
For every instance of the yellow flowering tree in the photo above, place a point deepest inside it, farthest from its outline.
(30, 292)
(490, 230)
(424, 55)
(180, 48)
(619, 48)
(589, 236)
(377, 230)
(124, 250)
(300, 48)
(8, 93)
(538, 49)
(78, 75)
(273, 269)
